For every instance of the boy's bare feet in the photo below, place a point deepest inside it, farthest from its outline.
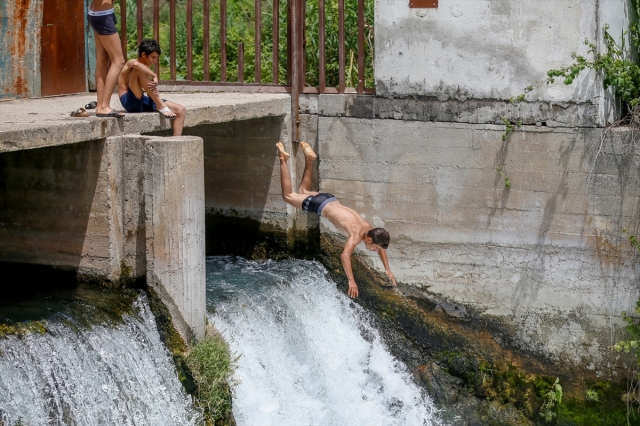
(308, 151)
(281, 152)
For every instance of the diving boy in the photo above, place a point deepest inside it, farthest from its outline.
(348, 221)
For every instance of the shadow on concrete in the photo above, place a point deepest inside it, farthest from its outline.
(46, 197)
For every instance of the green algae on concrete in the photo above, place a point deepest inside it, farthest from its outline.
(467, 373)
(81, 307)
(192, 380)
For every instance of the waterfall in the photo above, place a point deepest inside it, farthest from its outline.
(109, 374)
(308, 354)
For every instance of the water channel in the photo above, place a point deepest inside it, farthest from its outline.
(307, 355)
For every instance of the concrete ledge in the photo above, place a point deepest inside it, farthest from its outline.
(37, 123)
(469, 111)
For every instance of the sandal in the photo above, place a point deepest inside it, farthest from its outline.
(111, 114)
(91, 105)
(80, 112)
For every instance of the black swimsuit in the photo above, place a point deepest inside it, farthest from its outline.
(315, 203)
(103, 22)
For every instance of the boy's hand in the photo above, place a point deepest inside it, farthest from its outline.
(353, 289)
(153, 85)
(391, 277)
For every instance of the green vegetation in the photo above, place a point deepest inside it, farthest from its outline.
(211, 365)
(241, 29)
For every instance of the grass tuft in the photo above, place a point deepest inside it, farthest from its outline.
(212, 365)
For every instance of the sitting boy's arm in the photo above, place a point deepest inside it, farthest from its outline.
(153, 78)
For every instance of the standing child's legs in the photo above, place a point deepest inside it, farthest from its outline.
(109, 63)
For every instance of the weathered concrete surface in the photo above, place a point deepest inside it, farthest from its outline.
(430, 108)
(76, 207)
(545, 259)
(242, 174)
(175, 234)
(36, 123)
(20, 29)
(491, 50)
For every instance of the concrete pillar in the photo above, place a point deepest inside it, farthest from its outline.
(175, 232)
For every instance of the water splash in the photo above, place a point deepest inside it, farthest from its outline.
(115, 374)
(309, 355)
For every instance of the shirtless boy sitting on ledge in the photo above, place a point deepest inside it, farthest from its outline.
(137, 76)
(348, 221)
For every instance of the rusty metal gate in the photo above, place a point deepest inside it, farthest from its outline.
(62, 60)
(204, 47)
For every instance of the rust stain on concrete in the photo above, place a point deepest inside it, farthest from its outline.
(18, 49)
(20, 21)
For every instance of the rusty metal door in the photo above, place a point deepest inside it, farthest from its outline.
(62, 61)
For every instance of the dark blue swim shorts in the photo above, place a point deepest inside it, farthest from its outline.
(315, 203)
(132, 104)
(103, 23)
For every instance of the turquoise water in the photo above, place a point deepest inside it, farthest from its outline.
(308, 354)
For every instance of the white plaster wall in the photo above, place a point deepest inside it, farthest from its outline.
(489, 49)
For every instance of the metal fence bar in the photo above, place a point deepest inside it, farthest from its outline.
(360, 46)
(258, 49)
(296, 66)
(290, 10)
(276, 40)
(296, 47)
(139, 20)
(123, 26)
(241, 62)
(321, 45)
(341, 84)
(302, 8)
(156, 30)
(172, 24)
(205, 40)
(223, 40)
(189, 40)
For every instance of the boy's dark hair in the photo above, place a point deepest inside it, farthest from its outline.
(149, 46)
(379, 236)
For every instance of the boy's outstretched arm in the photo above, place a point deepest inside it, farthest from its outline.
(345, 257)
(382, 253)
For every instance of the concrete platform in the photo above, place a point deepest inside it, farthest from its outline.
(42, 122)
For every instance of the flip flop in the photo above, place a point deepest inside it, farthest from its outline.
(111, 114)
(91, 105)
(80, 112)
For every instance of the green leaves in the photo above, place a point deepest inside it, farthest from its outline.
(619, 69)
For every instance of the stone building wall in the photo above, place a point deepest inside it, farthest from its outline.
(544, 260)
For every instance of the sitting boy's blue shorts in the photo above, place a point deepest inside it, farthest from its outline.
(132, 104)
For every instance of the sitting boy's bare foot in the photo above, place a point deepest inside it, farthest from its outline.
(281, 152)
(308, 151)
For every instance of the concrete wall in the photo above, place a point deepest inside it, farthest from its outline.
(545, 260)
(174, 228)
(492, 49)
(242, 176)
(81, 208)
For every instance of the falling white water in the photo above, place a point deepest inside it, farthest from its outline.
(308, 354)
(107, 375)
